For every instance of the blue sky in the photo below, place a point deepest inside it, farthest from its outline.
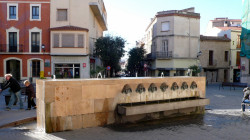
(129, 18)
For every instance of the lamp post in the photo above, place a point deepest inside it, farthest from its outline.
(42, 72)
(198, 61)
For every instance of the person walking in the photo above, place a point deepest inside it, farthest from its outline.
(16, 91)
(31, 94)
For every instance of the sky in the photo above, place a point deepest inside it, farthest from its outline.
(129, 18)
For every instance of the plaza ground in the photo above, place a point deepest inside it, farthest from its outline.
(223, 119)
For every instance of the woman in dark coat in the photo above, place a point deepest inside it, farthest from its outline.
(31, 94)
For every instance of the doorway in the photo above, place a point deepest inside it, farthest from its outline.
(13, 67)
(237, 75)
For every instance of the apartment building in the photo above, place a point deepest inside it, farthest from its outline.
(25, 39)
(215, 58)
(172, 42)
(74, 27)
(230, 28)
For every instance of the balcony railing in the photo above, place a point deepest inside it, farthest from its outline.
(7, 48)
(19, 48)
(160, 55)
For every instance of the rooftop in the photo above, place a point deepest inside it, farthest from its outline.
(214, 38)
(188, 11)
(230, 28)
(69, 28)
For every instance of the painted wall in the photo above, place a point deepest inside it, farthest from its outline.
(218, 48)
(81, 15)
(70, 50)
(25, 25)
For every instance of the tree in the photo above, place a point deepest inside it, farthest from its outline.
(135, 60)
(110, 50)
(195, 70)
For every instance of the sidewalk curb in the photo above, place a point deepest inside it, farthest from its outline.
(15, 123)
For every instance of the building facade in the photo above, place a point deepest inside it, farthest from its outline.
(172, 42)
(74, 28)
(25, 39)
(231, 28)
(215, 66)
(245, 39)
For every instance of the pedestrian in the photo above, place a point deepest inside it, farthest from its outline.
(245, 99)
(31, 94)
(16, 91)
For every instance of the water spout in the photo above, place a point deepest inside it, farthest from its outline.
(162, 74)
(99, 74)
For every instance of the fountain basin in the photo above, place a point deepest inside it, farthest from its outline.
(159, 107)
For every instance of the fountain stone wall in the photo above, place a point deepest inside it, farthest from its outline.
(79, 103)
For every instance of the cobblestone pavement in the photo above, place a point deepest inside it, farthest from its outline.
(223, 119)
(15, 114)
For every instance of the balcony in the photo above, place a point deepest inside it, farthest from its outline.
(160, 55)
(19, 48)
(100, 13)
(6, 48)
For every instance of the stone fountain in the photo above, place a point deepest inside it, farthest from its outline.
(79, 103)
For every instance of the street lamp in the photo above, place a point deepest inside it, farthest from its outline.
(43, 47)
(199, 54)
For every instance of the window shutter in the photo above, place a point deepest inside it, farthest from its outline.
(68, 40)
(62, 14)
(56, 40)
(80, 40)
(165, 26)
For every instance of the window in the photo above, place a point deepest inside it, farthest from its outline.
(62, 15)
(35, 12)
(80, 40)
(225, 75)
(165, 26)
(35, 42)
(68, 40)
(67, 70)
(12, 41)
(12, 12)
(36, 68)
(238, 59)
(238, 42)
(165, 46)
(226, 56)
(211, 53)
(56, 40)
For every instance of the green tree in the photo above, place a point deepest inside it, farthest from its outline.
(110, 50)
(195, 70)
(135, 60)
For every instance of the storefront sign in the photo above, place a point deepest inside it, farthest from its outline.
(47, 63)
(84, 65)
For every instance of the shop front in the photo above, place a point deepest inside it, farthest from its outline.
(69, 67)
